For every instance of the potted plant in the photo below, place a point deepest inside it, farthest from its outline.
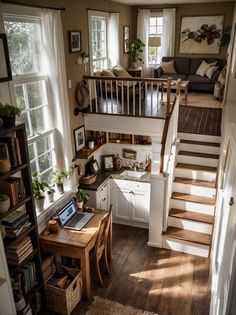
(135, 50)
(81, 197)
(4, 203)
(50, 193)
(39, 187)
(18, 296)
(58, 178)
(225, 37)
(8, 114)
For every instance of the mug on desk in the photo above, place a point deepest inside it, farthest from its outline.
(53, 226)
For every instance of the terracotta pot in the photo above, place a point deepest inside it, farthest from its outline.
(5, 166)
(4, 205)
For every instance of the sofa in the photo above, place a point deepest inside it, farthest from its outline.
(186, 69)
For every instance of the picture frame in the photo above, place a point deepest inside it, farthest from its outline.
(126, 35)
(5, 66)
(129, 154)
(95, 167)
(108, 162)
(79, 138)
(74, 41)
(200, 34)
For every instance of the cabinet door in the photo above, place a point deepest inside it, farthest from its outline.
(103, 197)
(140, 206)
(121, 201)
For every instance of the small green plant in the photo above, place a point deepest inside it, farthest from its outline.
(16, 290)
(3, 197)
(50, 189)
(225, 37)
(58, 176)
(135, 49)
(38, 186)
(81, 195)
(8, 110)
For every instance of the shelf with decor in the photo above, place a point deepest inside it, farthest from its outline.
(18, 216)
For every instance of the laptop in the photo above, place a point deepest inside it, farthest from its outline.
(70, 218)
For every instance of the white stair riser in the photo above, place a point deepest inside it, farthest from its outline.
(197, 160)
(192, 206)
(201, 175)
(196, 137)
(194, 190)
(190, 225)
(185, 247)
(199, 148)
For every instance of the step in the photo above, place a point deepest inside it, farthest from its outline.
(193, 198)
(193, 187)
(198, 137)
(199, 146)
(203, 159)
(195, 171)
(204, 218)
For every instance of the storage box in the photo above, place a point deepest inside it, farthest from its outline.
(64, 301)
(48, 267)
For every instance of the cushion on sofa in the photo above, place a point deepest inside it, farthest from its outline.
(174, 76)
(181, 64)
(194, 78)
(204, 66)
(168, 67)
(107, 73)
(196, 62)
(211, 71)
(119, 71)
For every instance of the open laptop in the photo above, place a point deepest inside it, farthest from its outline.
(70, 218)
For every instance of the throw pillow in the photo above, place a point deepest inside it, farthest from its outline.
(168, 67)
(107, 73)
(97, 73)
(119, 71)
(211, 71)
(204, 66)
(222, 75)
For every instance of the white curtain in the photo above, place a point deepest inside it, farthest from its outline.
(142, 33)
(113, 40)
(168, 37)
(54, 64)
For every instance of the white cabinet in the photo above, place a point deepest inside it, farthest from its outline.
(131, 201)
(99, 198)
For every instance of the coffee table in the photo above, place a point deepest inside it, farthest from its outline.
(183, 87)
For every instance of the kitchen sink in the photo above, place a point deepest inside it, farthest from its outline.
(133, 174)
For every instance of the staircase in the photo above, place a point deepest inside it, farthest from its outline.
(191, 216)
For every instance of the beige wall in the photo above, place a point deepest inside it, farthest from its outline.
(217, 8)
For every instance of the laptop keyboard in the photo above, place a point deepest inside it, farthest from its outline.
(78, 216)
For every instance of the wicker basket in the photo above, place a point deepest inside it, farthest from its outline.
(88, 179)
(64, 301)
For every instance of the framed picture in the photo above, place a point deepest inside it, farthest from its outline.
(201, 34)
(79, 137)
(107, 162)
(5, 67)
(129, 154)
(95, 167)
(126, 39)
(74, 41)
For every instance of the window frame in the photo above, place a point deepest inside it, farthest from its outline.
(156, 15)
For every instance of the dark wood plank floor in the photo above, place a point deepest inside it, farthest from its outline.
(152, 279)
(200, 120)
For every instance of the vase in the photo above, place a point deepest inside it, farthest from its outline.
(80, 204)
(39, 204)
(9, 122)
(50, 197)
(5, 166)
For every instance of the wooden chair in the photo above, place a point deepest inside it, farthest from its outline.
(102, 246)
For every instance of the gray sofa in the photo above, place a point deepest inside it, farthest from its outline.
(186, 70)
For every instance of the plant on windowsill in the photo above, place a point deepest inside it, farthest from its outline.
(58, 177)
(50, 193)
(135, 50)
(81, 197)
(38, 187)
(8, 115)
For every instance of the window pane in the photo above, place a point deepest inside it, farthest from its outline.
(43, 145)
(20, 99)
(33, 167)
(45, 161)
(31, 152)
(23, 42)
(39, 120)
(35, 92)
(47, 177)
(24, 119)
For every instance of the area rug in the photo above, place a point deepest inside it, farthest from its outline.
(102, 306)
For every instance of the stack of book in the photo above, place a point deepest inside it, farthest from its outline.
(18, 251)
(10, 149)
(16, 223)
(27, 277)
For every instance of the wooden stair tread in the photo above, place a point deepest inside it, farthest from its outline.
(193, 198)
(195, 182)
(199, 154)
(197, 167)
(189, 236)
(208, 144)
(188, 215)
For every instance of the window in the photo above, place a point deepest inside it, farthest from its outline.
(31, 91)
(154, 40)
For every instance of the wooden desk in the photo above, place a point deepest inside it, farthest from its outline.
(75, 244)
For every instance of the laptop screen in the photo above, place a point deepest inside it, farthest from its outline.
(67, 212)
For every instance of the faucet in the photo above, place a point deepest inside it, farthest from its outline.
(134, 166)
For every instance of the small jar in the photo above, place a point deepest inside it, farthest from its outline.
(91, 144)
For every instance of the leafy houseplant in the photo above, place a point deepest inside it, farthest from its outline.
(4, 203)
(225, 37)
(81, 197)
(8, 114)
(135, 50)
(50, 193)
(39, 187)
(58, 178)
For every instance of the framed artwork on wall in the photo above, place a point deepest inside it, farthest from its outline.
(74, 41)
(200, 34)
(108, 162)
(126, 38)
(5, 67)
(79, 138)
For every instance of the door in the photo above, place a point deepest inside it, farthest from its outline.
(140, 206)
(121, 201)
(102, 197)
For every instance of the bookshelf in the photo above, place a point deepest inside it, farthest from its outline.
(21, 243)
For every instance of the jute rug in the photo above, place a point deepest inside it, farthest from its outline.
(102, 306)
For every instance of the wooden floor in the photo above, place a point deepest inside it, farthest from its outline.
(152, 279)
(200, 120)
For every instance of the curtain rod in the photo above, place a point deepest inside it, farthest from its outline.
(103, 11)
(33, 5)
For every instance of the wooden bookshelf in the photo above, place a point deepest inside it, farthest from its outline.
(29, 256)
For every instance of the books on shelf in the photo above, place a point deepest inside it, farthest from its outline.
(27, 277)
(13, 217)
(18, 231)
(18, 251)
(14, 188)
(10, 147)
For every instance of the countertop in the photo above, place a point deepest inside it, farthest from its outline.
(105, 175)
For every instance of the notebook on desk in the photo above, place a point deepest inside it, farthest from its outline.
(70, 218)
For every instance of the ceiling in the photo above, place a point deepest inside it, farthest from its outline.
(151, 2)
